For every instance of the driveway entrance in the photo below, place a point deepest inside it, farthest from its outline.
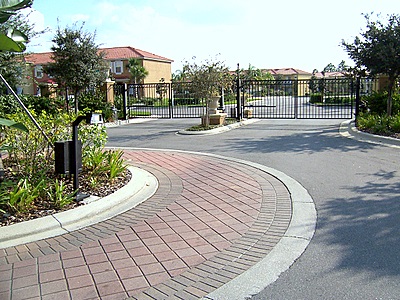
(264, 99)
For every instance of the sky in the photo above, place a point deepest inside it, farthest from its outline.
(266, 34)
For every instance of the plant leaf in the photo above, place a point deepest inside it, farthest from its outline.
(18, 36)
(12, 5)
(13, 124)
(8, 44)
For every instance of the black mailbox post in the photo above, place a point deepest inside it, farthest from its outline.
(63, 155)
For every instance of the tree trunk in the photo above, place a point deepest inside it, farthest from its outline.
(76, 102)
(390, 97)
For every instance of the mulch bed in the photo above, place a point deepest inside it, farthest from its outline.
(43, 208)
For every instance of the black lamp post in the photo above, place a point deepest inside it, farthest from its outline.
(77, 155)
(68, 154)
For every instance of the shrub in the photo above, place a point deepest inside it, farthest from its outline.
(58, 194)
(49, 105)
(338, 100)
(30, 161)
(316, 98)
(101, 164)
(95, 101)
(379, 124)
(19, 197)
(8, 105)
(376, 103)
(394, 124)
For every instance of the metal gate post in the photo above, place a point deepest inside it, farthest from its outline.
(171, 101)
(125, 101)
(238, 102)
(358, 84)
(296, 97)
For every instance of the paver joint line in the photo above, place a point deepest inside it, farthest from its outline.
(164, 242)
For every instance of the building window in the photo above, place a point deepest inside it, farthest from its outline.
(39, 71)
(117, 67)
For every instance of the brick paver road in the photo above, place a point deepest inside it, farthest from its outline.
(210, 220)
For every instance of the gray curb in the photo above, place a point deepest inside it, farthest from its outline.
(141, 187)
(284, 254)
(349, 130)
(219, 129)
(127, 122)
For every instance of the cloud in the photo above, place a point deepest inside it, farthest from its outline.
(35, 17)
(266, 34)
(41, 42)
(162, 32)
(80, 18)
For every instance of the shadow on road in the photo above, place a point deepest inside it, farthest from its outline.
(303, 140)
(368, 230)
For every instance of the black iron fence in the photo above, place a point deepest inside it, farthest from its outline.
(321, 98)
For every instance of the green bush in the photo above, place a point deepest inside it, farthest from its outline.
(30, 161)
(376, 103)
(39, 103)
(119, 105)
(9, 105)
(187, 101)
(20, 196)
(99, 163)
(338, 100)
(95, 101)
(379, 124)
(316, 98)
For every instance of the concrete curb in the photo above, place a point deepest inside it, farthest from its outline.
(349, 130)
(284, 254)
(127, 122)
(219, 129)
(141, 187)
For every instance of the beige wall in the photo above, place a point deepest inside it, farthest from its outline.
(157, 70)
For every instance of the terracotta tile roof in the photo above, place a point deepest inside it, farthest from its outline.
(128, 52)
(110, 54)
(39, 58)
(287, 71)
(329, 74)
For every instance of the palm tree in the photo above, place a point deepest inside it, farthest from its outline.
(138, 73)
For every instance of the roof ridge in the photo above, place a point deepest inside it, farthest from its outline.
(118, 52)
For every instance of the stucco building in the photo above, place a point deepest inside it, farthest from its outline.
(37, 82)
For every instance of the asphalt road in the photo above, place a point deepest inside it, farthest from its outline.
(355, 185)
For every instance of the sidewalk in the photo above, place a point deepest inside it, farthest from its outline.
(210, 221)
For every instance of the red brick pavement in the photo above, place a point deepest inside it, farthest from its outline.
(210, 220)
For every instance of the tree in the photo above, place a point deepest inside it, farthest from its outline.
(78, 63)
(178, 76)
(207, 79)
(342, 67)
(330, 68)
(138, 72)
(253, 73)
(377, 50)
(313, 83)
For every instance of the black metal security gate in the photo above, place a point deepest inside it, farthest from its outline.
(159, 100)
(319, 98)
(300, 99)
